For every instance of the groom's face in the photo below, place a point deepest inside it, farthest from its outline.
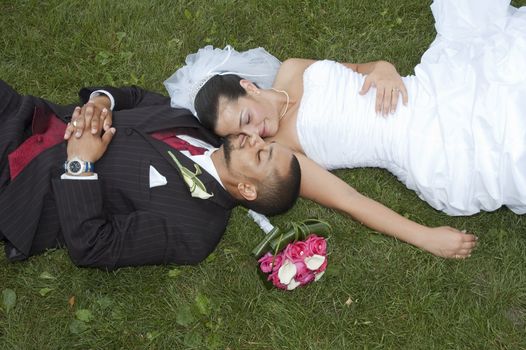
(251, 157)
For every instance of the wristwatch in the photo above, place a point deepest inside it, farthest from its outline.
(77, 166)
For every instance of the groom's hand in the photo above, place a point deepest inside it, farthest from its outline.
(89, 147)
(93, 115)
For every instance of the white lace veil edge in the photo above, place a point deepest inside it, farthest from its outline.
(256, 65)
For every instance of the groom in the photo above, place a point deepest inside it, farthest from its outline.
(128, 197)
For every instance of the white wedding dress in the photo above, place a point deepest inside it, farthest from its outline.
(461, 141)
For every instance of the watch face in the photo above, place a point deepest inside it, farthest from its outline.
(74, 167)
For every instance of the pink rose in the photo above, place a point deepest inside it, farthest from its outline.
(269, 262)
(303, 274)
(316, 245)
(266, 262)
(296, 251)
(278, 261)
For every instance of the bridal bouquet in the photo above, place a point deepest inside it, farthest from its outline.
(293, 257)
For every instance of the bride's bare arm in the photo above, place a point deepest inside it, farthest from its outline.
(380, 74)
(330, 191)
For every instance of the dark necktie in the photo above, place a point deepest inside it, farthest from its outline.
(169, 137)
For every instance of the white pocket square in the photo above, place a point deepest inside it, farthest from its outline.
(156, 179)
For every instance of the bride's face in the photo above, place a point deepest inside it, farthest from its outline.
(250, 114)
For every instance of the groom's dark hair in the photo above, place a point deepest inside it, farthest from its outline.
(278, 193)
(207, 99)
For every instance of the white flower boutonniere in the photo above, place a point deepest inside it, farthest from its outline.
(196, 186)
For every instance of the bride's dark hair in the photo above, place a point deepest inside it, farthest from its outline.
(207, 99)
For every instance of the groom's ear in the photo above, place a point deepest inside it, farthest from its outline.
(249, 86)
(247, 190)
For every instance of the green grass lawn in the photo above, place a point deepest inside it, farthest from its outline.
(377, 294)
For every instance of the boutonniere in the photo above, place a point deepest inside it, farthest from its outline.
(196, 186)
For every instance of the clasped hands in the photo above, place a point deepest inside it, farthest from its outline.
(389, 86)
(89, 133)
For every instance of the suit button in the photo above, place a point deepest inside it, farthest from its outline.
(129, 131)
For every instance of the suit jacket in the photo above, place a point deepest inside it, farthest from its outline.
(117, 220)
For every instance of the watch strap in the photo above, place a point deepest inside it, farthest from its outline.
(89, 167)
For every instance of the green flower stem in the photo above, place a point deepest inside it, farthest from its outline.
(296, 234)
(264, 245)
(275, 240)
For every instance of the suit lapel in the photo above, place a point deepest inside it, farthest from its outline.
(220, 195)
(165, 117)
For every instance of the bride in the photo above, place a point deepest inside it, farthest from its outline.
(459, 140)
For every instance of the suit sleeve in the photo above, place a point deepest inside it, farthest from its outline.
(127, 97)
(95, 239)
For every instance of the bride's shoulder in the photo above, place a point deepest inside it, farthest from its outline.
(291, 69)
(294, 66)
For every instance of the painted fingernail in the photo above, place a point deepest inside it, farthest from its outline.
(93, 130)
(77, 134)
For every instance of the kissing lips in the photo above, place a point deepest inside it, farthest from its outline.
(242, 138)
(263, 130)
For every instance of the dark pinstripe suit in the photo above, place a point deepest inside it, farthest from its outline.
(118, 220)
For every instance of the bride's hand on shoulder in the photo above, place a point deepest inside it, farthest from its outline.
(448, 242)
(389, 86)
